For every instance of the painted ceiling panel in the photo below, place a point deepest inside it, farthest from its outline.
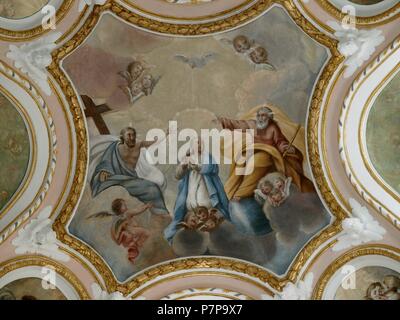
(199, 150)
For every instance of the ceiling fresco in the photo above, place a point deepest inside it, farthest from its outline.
(19, 9)
(199, 150)
(206, 87)
(383, 141)
(15, 150)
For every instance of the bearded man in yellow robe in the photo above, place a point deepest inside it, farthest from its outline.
(279, 145)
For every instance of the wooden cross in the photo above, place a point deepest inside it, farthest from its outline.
(94, 112)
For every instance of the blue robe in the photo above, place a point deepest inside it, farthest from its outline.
(215, 190)
(120, 175)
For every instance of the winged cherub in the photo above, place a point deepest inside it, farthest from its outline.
(125, 230)
(251, 50)
(139, 81)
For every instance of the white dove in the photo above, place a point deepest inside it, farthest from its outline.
(196, 62)
(359, 229)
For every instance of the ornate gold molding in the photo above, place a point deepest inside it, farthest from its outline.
(193, 30)
(349, 166)
(29, 88)
(33, 150)
(383, 250)
(384, 17)
(25, 35)
(28, 261)
(170, 17)
(202, 273)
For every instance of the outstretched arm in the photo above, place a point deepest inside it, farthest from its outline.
(232, 124)
(139, 210)
(147, 144)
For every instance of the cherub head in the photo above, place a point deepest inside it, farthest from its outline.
(259, 55)
(191, 220)
(276, 197)
(202, 213)
(213, 212)
(279, 184)
(40, 58)
(266, 187)
(135, 69)
(215, 215)
(209, 225)
(119, 206)
(147, 81)
(375, 291)
(391, 281)
(136, 88)
(241, 44)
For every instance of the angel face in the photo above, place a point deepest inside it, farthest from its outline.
(202, 213)
(276, 197)
(135, 69)
(241, 44)
(147, 81)
(376, 291)
(210, 224)
(266, 188)
(40, 58)
(259, 55)
(119, 206)
(136, 88)
(191, 220)
(279, 184)
(391, 281)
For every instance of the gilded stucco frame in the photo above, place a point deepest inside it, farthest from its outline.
(383, 17)
(12, 75)
(41, 261)
(388, 201)
(361, 251)
(60, 224)
(30, 34)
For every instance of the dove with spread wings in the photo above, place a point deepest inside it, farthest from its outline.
(196, 62)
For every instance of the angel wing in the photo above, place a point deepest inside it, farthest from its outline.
(226, 41)
(126, 75)
(209, 56)
(264, 66)
(288, 183)
(137, 97)
(181, 58)
(259, 196)
(102, 214)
